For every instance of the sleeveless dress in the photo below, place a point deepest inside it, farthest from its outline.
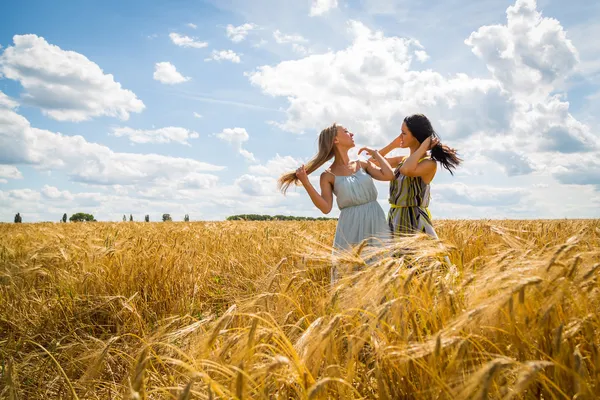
(409, 199)
(361, 216)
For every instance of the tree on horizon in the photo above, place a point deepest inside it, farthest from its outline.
(82, 217)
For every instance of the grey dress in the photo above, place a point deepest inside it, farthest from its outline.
(361, 216)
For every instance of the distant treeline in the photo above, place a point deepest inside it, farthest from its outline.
(257, 217)
(83, 217)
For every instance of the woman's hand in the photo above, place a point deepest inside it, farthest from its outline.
(302, 175)
(370, 151)
(430, 142)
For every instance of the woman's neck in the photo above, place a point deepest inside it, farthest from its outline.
(415, 147)
(341, 158)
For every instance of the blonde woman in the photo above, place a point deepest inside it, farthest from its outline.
(361, 216)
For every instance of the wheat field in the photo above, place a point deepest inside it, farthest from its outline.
(234, 310)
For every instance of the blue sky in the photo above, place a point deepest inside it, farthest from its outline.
(196, 107)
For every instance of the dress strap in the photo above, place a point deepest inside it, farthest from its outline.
(357, 162)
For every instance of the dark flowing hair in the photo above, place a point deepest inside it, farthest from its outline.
(421, 129)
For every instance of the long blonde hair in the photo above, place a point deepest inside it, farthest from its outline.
(326, 153)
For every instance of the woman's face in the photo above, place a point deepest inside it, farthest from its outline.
(406, 137)
(344, 138)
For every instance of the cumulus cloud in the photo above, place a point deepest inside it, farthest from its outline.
(84, 161)
(479, 195)
(236, 137)
(421, 55)
(256, 185)
(238, 33)
(10, 172)
(582, 170)
(23, 195)
(186, 41)
(320, 7)
(550, 127)
(193, 26)
(66, 85)
(276, 166)
(295, 40)
(7, 102)
(53, 193)
(283, 38)
(198, 181)
(165, 72)
(529, 55)
(371, 87)
(513, 163)
(227, 55)
(163, 135)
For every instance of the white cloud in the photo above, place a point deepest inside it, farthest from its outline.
(84, 161)
(196, 115)
(236, 137)
(276, 166)
(298, 48)
(165, 72)
(10, 172)
(163, 135)
(282, 38)
(66, 85)
(24, 195)
(7, 102)
(3, 181)
(548, 126)
(320, 7)
(228, 55)
(238, 33)
(479, 195)
(186, 41)
(579, 170)
(370, 87)
(513, 163)
(51, 192)
(198, 181)
(256, 186)
(193, 26)
(530, 55)
(247, 155)
(421, 55)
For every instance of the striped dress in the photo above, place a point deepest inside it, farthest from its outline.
(409, 199)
